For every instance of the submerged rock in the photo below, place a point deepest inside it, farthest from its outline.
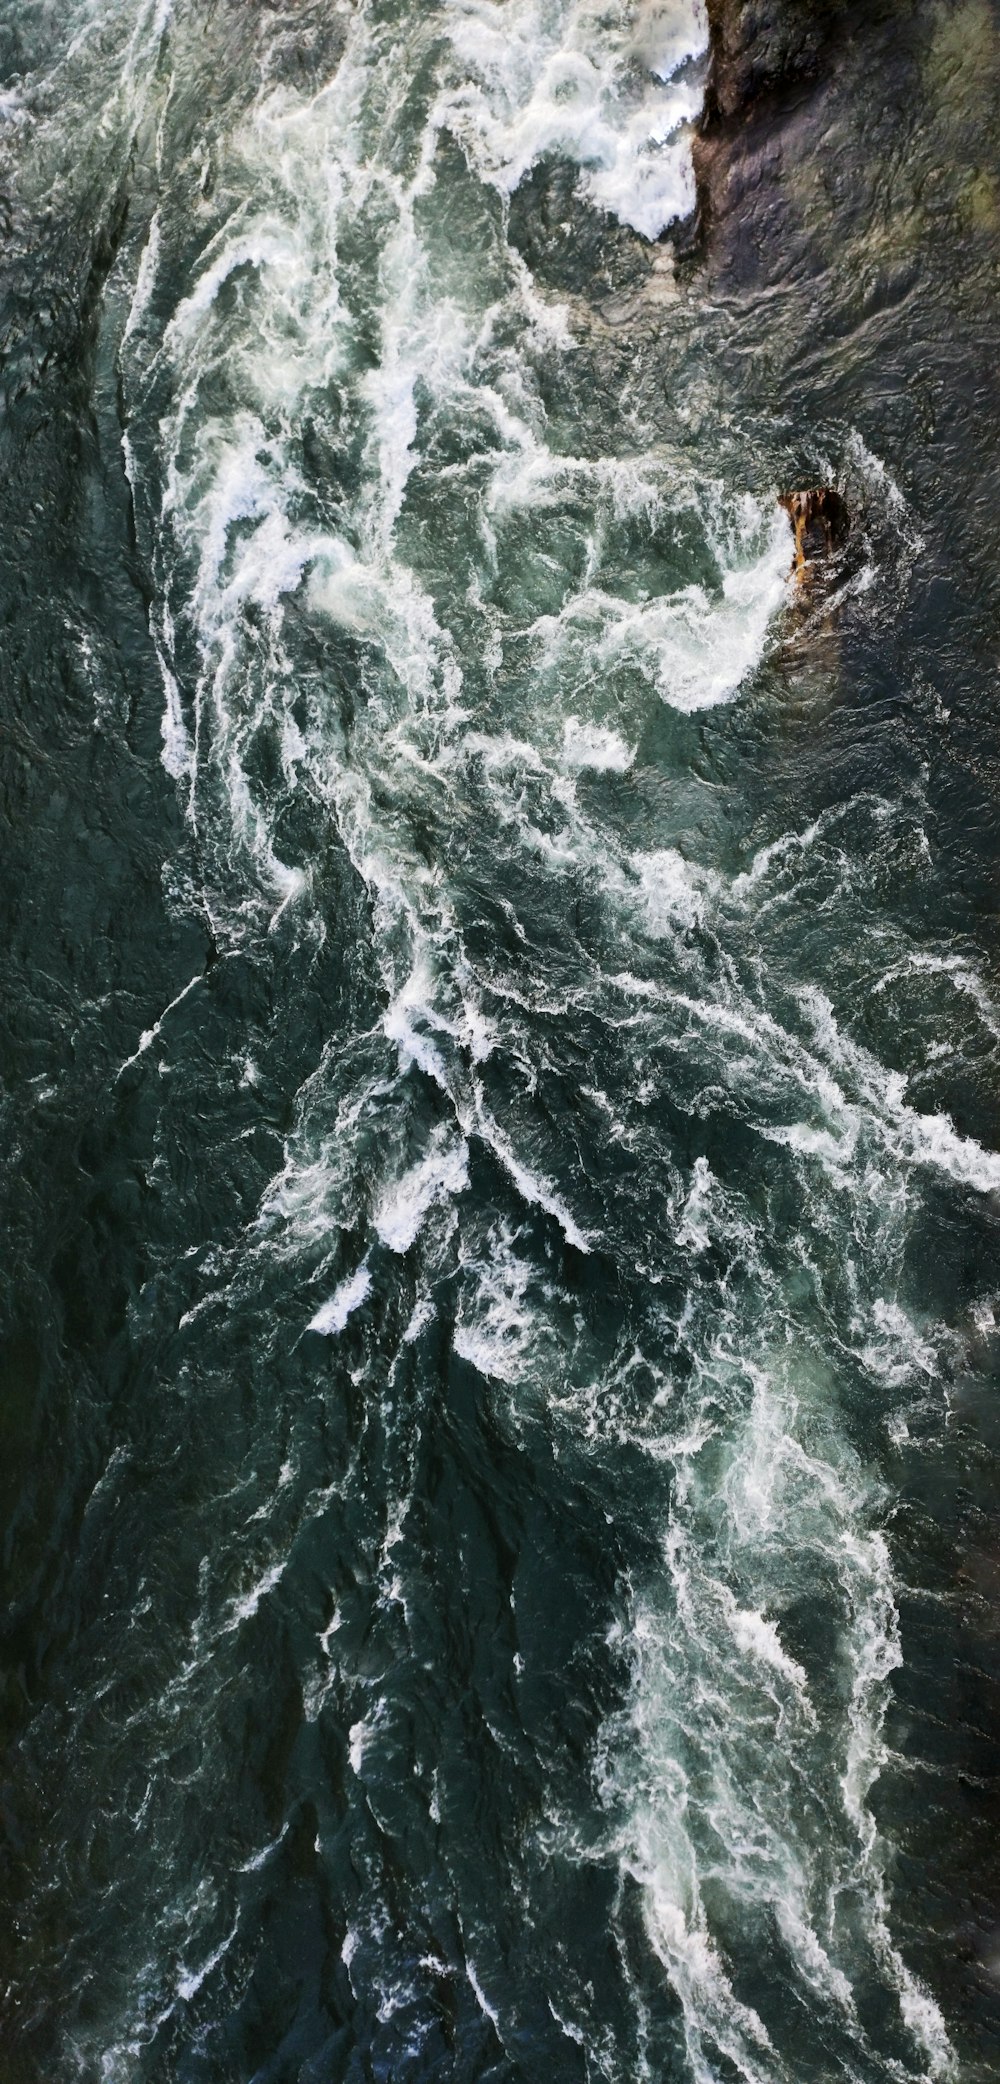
(820, 523)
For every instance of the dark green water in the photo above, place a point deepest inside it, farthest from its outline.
(499, 1046)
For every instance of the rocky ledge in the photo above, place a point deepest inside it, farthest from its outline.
(759, 47)
(766, 56)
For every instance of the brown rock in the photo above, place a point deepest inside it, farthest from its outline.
(758, 47)
(766, 57)
(820, 523)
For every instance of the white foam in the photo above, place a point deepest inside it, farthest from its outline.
(699, 650)
(958, 970)
(567, 80)
(758, 1637)
(192, 1979)
(593, 746)
(674, 892)
(911, 1137)
(695, 647)
(243, 1609)
(489, 2011)
(693, 1229)
(332, 1317)
(422, 1315)
(716, 1767)
(536, 1191)
(499, 1329)
(439, 1176)
(151, 1035)
(895, 1351)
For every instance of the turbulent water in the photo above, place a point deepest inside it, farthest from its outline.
(500, 1052)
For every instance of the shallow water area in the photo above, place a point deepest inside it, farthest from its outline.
(500, 1081)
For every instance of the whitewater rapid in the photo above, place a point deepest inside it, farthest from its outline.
(431, 603)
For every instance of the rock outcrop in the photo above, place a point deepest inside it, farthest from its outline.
(766, 58)
(820, 523)
(761, 46)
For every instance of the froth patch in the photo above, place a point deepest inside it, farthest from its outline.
(331, 1318)
(673, 892)
(499, 1330)
(443, 1173)
(735, 1761)
(758, 1637)
(697, 645)
(613, 92)
(593, 746)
